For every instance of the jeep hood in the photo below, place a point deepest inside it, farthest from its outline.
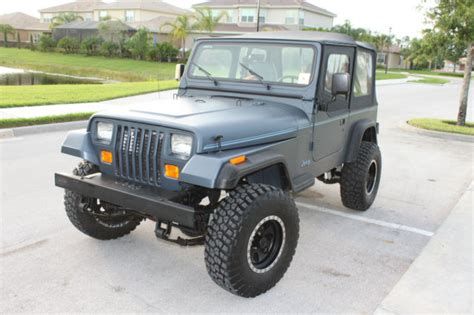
(241, 123)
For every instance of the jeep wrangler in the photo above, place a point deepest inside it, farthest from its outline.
(257, 118)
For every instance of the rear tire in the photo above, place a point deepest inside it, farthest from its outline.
(360, 179)
(100, 228)
(251, 239)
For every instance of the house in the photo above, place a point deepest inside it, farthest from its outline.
(393, 56)
(28, 29)
(131, 11)
(82, 8)
(274, 14)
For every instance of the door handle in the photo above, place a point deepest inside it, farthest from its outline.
(342, 122)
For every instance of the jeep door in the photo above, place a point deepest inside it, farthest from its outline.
(332, 114)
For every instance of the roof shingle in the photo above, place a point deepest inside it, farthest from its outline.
(22, 21)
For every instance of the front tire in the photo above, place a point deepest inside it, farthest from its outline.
(360, 179)
(251, 239)
(99, 227)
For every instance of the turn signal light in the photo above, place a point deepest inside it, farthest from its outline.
(238, 160)
(172, 171)
(106, 157)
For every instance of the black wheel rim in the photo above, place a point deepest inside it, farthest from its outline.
(371, 177)
(266, 244)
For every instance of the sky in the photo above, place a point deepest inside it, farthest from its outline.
(403, 16)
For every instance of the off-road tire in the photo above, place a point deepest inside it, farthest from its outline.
(89, 224)
(232, 225)
(355, 178)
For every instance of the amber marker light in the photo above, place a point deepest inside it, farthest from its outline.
(238, 160)
(172, 171)
(106, 157)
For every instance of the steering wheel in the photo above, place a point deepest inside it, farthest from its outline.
(292, 77)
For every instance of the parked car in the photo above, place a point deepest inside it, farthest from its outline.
(257, 119)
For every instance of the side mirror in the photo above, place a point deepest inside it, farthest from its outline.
(341, 84)
(179, 71)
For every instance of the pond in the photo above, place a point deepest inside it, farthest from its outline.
(38, 78)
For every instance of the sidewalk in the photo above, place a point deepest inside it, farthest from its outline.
(54, 110)
(440, 280)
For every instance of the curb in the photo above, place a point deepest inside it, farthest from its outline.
(31, 130)
(436, 134)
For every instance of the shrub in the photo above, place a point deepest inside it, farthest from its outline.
(46, 43)
(163, 52)
(138, 44)
(70, 45)
(91, 45)
(109, 49)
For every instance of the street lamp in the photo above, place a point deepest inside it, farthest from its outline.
(387, 56)
(258, 16)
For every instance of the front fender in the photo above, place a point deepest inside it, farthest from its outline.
(78, 143)
(215, 172)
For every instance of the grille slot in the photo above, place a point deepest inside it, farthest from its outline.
(138, 154)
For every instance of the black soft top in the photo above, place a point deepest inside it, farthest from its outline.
(308, 36)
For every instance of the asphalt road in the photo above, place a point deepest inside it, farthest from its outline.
(346, 261)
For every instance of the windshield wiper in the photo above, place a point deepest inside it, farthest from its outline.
(207, 73)
(255, 74)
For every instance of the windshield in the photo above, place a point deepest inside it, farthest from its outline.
(254, 63)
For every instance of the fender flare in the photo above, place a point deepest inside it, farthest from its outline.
(78, 143)
(357, 135)
(215, 172)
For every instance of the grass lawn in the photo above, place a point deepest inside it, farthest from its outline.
(427, 80)
(18, 96)
(23, 122)
(442, 125)
(381, 75)
(102, 67)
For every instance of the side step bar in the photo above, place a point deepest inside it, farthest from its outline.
(150, 201)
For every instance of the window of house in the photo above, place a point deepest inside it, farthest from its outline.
(88, 17)
(337, 63)
(301, 17)
(228, 15)
(47, 18)
(381, 58)
(291, 17)
(363, 79)
(263, 16)
(247, 15)
(129, 16)
(103, 14)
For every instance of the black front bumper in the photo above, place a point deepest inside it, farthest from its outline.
(150, 201)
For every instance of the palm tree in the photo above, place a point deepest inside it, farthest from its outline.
(180, 30)
(207, 21)
(6, 29)
(65, 18)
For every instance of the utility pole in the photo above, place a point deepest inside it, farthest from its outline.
(258, 15)
(387, 56)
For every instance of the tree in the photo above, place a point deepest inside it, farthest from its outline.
(180, 29)
(455, 19)
(6, 29)
(65, 18)
(207, 21)
(138, 44)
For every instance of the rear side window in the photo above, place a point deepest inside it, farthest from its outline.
(364, 79)
(337, 63)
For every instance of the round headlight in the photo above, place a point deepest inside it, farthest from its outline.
(181, 145)
(105, 131)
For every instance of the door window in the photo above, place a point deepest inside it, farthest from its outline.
(337, 63)
(364, 79)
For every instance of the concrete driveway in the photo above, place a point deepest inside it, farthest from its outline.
(346, 261)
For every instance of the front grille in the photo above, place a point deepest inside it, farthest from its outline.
(138, 154)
